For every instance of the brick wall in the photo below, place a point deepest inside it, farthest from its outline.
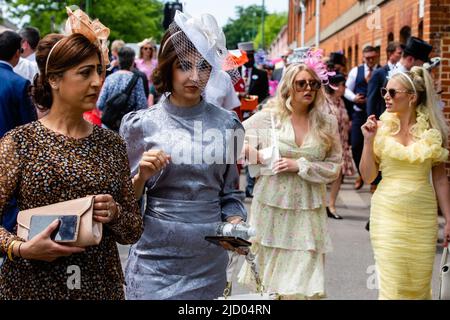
(395, 15)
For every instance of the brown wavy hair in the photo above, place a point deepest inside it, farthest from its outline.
(70, 52)
(167, 56)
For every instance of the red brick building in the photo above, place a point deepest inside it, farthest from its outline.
(350, 25)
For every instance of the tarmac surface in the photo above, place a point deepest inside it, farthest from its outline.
(349, 269)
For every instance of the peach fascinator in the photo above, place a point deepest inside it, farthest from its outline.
(79, 22)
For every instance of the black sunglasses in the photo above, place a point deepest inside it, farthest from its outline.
(300, 85)
(392, 92)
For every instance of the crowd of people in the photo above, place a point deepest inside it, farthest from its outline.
(164, 172)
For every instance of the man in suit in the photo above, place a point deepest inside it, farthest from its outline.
(357, 83)
(256, 81)
(15, 106)
(415, 53)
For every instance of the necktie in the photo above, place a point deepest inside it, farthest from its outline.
(369, 75)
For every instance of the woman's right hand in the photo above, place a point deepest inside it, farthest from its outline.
(369, 129)
(151, 163)
(42, 247)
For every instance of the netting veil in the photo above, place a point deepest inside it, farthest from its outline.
(200, 45)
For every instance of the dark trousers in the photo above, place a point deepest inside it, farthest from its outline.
(250, 183)
(357, 138)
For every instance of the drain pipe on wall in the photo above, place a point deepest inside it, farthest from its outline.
(303, 9)
(317, 23)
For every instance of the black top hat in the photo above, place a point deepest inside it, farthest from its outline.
(418, 49)
(336, 79)
(337, 58)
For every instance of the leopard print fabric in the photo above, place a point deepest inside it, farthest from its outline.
(40, 167)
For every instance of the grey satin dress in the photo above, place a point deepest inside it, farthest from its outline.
(185, 201)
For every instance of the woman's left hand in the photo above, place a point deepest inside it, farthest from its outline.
(446, 233)
(285, 165)
(105, 208)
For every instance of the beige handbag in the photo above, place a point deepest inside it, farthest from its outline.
(87, 233)
(444, 287)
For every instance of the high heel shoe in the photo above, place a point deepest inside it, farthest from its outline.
(333, 215)
(359, 183)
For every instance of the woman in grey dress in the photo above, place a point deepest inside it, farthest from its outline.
(182, 151)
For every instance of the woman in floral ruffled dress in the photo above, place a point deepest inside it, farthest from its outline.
(288, 208)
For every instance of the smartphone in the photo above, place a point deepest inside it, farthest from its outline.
(67, 230)
(234, 241)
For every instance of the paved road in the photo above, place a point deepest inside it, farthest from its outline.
(349, 269)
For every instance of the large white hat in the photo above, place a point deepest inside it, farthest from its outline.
(206, 35)
(191, 36)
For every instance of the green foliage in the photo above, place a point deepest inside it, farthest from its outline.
(245, 27)
(273, 24)
(131, 20)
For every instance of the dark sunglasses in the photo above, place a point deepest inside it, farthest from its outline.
(300, 85)
(392, 92)
(147, 48)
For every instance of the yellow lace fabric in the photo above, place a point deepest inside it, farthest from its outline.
(427, 144)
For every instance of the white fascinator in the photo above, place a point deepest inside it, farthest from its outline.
(200, 41)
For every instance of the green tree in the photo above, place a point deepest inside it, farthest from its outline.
(131, 20)
(245, 27)
(273, 24)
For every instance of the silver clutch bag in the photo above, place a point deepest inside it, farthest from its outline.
(444, 287)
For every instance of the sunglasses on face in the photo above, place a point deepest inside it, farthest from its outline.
(301, 85)
(147, 48)
(392, 92)
(371, 58)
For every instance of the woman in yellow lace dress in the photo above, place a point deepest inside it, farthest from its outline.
(288, 208)
(408, 147)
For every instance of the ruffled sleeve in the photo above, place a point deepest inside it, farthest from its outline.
(327, 170)
(131, 131)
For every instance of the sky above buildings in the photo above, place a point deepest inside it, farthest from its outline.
(222, 10)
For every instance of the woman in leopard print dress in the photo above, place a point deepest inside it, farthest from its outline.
(62, 157)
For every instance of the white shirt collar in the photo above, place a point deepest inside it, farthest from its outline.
(32, 57)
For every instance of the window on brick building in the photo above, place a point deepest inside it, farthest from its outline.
(350, 56)
(421, 29)
(378, 49)
(405, 34)
(356, 55)
(390, 37)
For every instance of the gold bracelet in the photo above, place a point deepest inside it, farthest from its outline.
(10, 249)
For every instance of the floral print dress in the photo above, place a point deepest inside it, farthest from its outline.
(288, 211)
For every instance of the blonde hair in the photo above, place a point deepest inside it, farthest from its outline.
(117, 45)
(319, 123)
(427, 98)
